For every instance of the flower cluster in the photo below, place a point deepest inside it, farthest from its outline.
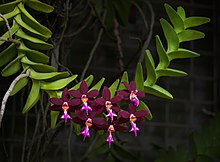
(87, 106)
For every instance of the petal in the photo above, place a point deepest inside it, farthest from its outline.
(92, 93)
(100, 101)
(92, 114)
(98, 109)
(131, 108)
(83, 87)
(98, 121)
(65, 95)
(116, 99)
(124, 114)
(141, 94)
(75, 102)
(120, 127)
(81, 115)
(133, 85)
(55, 108)
(56, 101)
(127, 86)
(75, 93)
(121, 120)
(106, 94)
(123, 93)
(78, 121)
(140, 120)
(116, 108)
(141, 113)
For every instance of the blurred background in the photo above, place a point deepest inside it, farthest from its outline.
(79, 39)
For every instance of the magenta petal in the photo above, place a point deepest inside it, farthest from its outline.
(106, 94)
(92, 93)
(81, 115)
(56, 101)
(98, 121)
(100, 101)
(141, 113)
(83, 87)
(124, 114)
(75, 102)
(127, 86)
(55, 108)
(116, 99)
(75, 93)
(141, 94)
(116, 108)
(133, 85)
(65, 95)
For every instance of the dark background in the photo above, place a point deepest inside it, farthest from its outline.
(196, 96)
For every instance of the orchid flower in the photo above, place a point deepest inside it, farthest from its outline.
(110, 104)
(83, 97)
(62, 104)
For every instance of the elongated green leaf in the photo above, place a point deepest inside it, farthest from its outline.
(53, 118)
(124, 78)
(181, 12)
(14, 29)
(39, 6)
(189, 35)
(139, 78)
(174, 18)
(114, 87)
(170, 35)
(7, 55)
(19, 20)
(28, 19)
(19, 85)
(58, 84)
(8, 7)
(143, 106)
(44, 76)
(170, 72)
(39, 67)
(33, 42)
(151, 74)
(10, 14)
(182, 53)
(12, 67)
(195, 21)
(163, 58)
(157, 91)
(33, 96)
(33, 55)
(88, 80)
(98, 85)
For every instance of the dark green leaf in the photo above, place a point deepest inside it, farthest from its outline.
(181, 12)
(44, 76)
(114, 87)
(143, 106)
(53, 118)
(88, 80)
(19, 85)
(157, 91)
(98, 85)
(8, 7)
(170, 72)
(182, 53)
(10, 15)
(139, 79)
(7, 55)
(189, 35)
(124, 78)
(39, 6)
(150, 67)
(195, 21)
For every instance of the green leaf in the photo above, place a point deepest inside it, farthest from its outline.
(53, 118)
(170, 72)
(124, 78)
(143, 106)
(139, 79)
(114, 87)
(175, 19)
(13, 67)
(8, 54)
(8, 7)
(77, 128)
(58, 84)
(182, 53)
(98, 85)
(19, 20)
(88, 80)
(163, 58)
(181, 12)
(150, 67)
(170, 35)
(51, 75)
(10, 15)
(19, 85)
(195, 21)
(33, 55)
(157, 91)
(33, 96)
(39, 67)
(189, 35)
(33, 42)
(39, 6)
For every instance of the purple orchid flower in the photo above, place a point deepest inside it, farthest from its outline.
(84, 97)
(109, 103)
(62, 104)
(132, 117)
(89, 121)
(131, 94)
